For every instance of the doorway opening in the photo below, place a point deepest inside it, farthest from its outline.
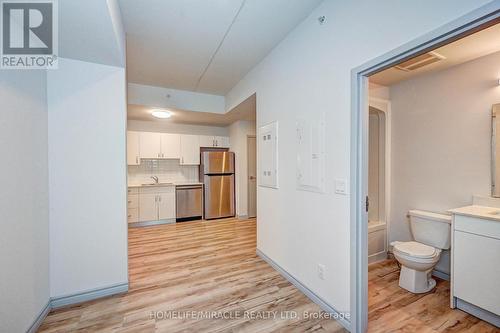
(469, 24)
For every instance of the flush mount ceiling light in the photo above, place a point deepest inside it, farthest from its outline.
(161, 114)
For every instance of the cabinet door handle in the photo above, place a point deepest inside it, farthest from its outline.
(137, 160)
(130, 201)
(130, 215)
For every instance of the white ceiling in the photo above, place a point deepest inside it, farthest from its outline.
(474, 46)
(205, 46)
(246, 110)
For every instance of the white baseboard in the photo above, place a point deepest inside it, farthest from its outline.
(150, 223)
(441, 275)
(377, 257)
(242, 217)
(39, 319)
(90, 295)
(311, 295)
(58, 302)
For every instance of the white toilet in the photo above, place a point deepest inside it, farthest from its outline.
(431, 234)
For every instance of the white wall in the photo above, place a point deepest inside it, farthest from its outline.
(238, 133)
(441, 139)
(180, 99)
(309, 73)
(165, 127)
(24, 222)
(87, 177)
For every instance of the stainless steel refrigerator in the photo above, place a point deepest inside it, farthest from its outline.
(217, 174)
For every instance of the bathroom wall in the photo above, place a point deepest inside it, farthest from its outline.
(441, 139)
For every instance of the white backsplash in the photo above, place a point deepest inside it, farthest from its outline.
(166, 170)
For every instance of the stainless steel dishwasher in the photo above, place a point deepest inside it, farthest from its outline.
(189, 202)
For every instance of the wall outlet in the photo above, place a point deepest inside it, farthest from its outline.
(321, 271)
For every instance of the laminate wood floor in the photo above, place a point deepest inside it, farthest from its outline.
(393, 309)
(192, 270)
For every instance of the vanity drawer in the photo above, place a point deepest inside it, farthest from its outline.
(133, 201)
(133, 215)
(483, 227)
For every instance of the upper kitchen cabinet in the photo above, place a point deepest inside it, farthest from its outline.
(170, 146)
(222, 141)
(207, 141)
(133, 148)
(190, 150)
(159, 145)
(150, 145)
(214, 141)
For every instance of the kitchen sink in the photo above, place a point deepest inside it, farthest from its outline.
(158, 184)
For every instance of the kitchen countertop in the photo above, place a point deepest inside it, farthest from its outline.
(483, 212)
(166, 184)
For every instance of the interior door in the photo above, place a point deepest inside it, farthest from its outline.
(133, 156)
(170, 145)
(148, 208)
(219, 196)
(150, 145)
(252, 176)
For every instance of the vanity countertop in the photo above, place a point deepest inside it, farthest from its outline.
(483, 212)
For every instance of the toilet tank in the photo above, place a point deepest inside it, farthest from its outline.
(431, 228)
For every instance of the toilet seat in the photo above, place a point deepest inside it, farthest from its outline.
(416, 249)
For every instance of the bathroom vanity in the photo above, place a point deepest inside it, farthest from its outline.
(475, 261)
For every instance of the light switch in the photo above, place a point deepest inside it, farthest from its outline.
(341, 186)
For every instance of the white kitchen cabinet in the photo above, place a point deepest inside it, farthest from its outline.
(148, 207)
(155, 203)
(190, 150)
(133, 148)
(222, 141)
(166, 204)
(206, 141)
(214, 141)
(150, 145)
(170, 145)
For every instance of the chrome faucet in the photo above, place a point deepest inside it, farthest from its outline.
(155, 178)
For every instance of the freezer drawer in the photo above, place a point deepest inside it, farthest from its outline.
(189, 201)
(219, 196)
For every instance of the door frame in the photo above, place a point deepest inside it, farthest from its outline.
(248, 187)
(488, 14)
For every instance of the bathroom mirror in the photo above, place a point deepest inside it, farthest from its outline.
(495, 151)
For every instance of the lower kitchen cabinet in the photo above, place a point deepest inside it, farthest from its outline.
(148, 207)
(153, 204)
